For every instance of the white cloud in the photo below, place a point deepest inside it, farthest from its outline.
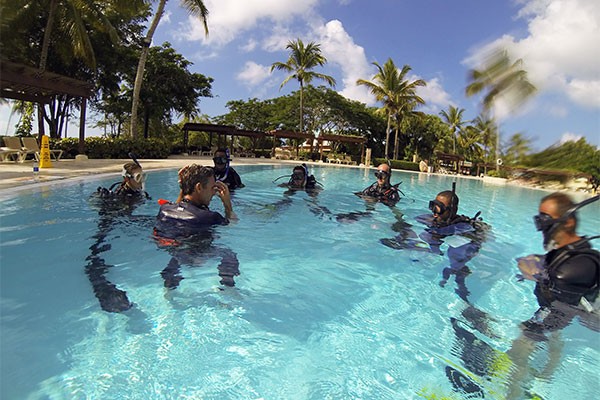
(560, 52)
(228, 18)
(569, 137)
(436, 98)
(339, 49)
(253, 74)
(166, 18)
(249, 46)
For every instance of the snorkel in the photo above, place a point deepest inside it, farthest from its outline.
(548, 225)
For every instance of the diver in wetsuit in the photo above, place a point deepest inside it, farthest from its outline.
(382, 190)
(444, 222)
(301, 180)
(185, 227)
(113, 204)
(567, 284)
(224, 172)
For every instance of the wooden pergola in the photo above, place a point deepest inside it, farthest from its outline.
(288, 134)
(225, 130)
(343, 139)
(21, 82)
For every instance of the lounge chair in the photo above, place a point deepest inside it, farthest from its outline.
(31, 144)
(8, 153)
(13, 143)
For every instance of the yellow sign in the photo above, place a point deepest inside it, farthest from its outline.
(45, 161)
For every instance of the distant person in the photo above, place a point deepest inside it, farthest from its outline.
(115, 205)
(382, 190)
(300, 179)
(567, 286)
(185, 228)
(224, 172)
(132, 185)
(423, 167)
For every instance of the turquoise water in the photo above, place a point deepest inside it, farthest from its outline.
(321, 309)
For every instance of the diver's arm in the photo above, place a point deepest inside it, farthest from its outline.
(225, 196)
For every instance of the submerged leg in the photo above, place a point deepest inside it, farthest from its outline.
(110, 297)
(172, 274)
(228, 267)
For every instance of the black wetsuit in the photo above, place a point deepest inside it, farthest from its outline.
(386, 193)
(230, 177)
(186, 231)
(572, 272)
(113, 206)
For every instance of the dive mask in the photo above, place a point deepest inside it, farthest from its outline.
(297, 176)
(379, 174)
(220, 160)
(436, 203)
(544, 222)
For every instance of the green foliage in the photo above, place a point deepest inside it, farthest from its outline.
(397, 164)
(502, 173)
(117, 148)
(577, 156)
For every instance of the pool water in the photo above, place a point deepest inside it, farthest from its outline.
(320, 310)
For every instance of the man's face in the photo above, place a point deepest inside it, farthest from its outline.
(220, 160)
(207, 191)
(440, 208)
(298, 178)
(382, 174)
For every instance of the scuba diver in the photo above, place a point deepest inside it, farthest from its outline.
(442, 223)
(382, 190)
(301, 179)
(185, 227)
(224, 172)
(567, 284)
(113, 204)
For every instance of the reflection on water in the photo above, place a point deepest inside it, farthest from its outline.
(321, 308)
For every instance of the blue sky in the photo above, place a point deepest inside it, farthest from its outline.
(558, 40)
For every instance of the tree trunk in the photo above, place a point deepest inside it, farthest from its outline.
(396, 140)
(139, 76)
(387, 135)
(301, 106)
(44, 59)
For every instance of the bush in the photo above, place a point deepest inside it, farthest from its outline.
(99, 147)
(398, 164)
(497, 174)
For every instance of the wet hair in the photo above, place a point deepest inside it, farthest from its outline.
(221, 150)
(130, 167)
(563, 204)
(193, 175)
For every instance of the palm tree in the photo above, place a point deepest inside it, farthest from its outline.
(301, 61)
(197, 9)
(453, 117)
(72, 18)
(502, 79)
(487, 129)
(518, 148)
(397, 94)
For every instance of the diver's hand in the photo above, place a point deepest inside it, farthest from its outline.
(222, 191)
(531, 266)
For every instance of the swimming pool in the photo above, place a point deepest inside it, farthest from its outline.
(321, 309)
